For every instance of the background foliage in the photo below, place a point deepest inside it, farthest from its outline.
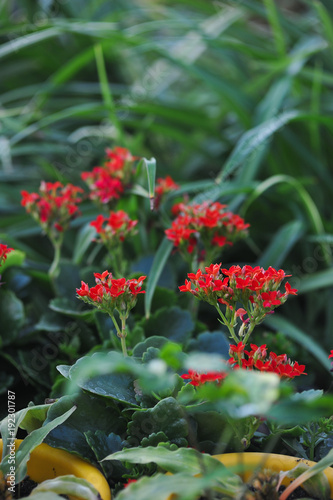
(233, 99)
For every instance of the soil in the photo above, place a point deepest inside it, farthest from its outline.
(24, 488)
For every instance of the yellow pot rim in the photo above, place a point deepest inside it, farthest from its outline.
(248, 462)
(251, 461)
(47, 463)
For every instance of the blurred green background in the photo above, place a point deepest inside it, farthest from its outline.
(234, 100)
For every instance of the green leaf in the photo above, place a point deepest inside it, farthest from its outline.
(71, 435)
(185, 460)
(320, 486)
(151, 175)
(283, 241)
(83, 240)
(29, 444)
(317, 486)
(8, 432)
(68, 485)
(66, 307)
(166, 416)
(14, 258)
(174, 323)
(154, 341)
(12, 316)
(160, 487)
(34, 418)
(25, 41)
(315, 281)
(95, 374)
(160, 260)
(282, 324)
(46, 495)
(103, 444)
(211, 342)
(299, 408)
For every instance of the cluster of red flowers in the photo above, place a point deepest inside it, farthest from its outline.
(164, 186)
(244, 285)
(54, 206)
(108, 182)
(259, 359)
(114, 228)
(201, 378)
(4, 251)
(110, 293)
(256, 359)
(208, 222)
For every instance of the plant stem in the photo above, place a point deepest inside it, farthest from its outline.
(227, 324)
(54, 269)
(120, 333)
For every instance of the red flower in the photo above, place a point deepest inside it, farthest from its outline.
(259, 359)
(271, 299)
(54, 206)
(201, 378)
(211, 224)
(110, 293)
(4, 251)
(331, 355)
(164, 186)
(130, 481)
(115, 228)
(289, 290)
(108, 182)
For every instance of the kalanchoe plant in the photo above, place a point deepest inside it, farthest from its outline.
(108, 182)
(164, 185)
(255, 289)
(53, 207)
(200, 231)
(110, 295)
(112, 232)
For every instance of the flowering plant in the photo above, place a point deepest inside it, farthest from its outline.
(141, 356)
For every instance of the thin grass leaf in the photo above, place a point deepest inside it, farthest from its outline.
(82, 242)
(308, 204)
(106, 92)
(27, 40)
(151, 176)
(282, 242)
(325, 19)
(316, 281)
(159, 262)
(273, 17)
(87, 109)
(285, 326)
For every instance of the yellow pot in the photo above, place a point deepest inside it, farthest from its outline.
(251, 461)
(47, 463)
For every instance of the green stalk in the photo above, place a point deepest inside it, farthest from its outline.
(106, 92)
(120, 333)
(227, 324)
(54, 269)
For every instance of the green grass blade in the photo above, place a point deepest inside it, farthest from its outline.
(159, 262)
(282, 242)
(316, 281)
(106, 92)
(325, 19)
(285, 326)
(27, 40)
(253, 139)
(274, 21)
